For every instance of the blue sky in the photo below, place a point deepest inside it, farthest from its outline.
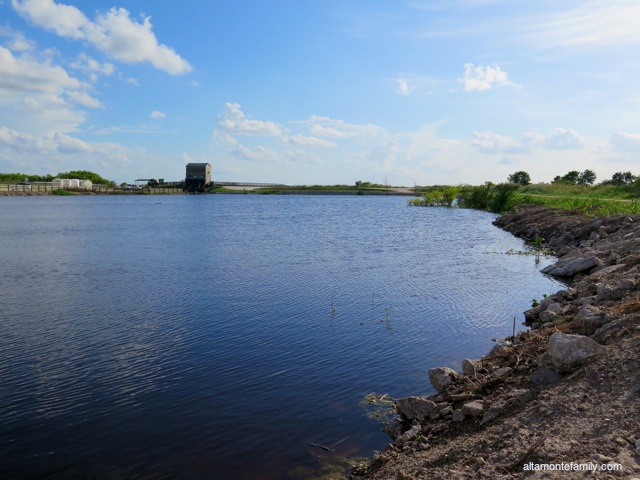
(321, 92)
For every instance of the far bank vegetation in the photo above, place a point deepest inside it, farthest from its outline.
(572, 191)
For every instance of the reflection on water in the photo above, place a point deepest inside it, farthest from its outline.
(226, 336)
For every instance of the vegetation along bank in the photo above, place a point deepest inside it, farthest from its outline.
(563, 396)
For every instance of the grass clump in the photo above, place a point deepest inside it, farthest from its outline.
(437, 197)
(498, 198)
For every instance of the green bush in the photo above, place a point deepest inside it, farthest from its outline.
(504, 198)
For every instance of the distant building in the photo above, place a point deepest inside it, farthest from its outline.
(71, 183)
(198, 177)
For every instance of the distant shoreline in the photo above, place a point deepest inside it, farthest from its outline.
(391, 191)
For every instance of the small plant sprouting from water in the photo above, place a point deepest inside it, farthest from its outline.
(536, 303)
(333, 309)
(386, 320)
(373, 296)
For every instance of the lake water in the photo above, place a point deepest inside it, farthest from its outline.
(219, 336)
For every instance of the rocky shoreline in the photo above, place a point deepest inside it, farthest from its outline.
(565, 393)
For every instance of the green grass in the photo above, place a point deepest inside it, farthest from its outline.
(586, 205)
(596, 200)
(625, 192)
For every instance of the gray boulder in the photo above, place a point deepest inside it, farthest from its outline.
(573, 266)
(442, 377)
(470, 367)
(591, 318)
(415, 408)
(475, 408)
(544, 376)
(567, 352)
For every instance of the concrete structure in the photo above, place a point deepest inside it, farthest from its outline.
(198, 177)
(71, 183)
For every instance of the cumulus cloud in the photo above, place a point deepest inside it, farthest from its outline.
(478, 79)
(24, 75)
(559, 139)
(259, 153)
(114, 33)
(308, 141)
(157, 115)
(562, 139)
(88, 64)
(16, 42)
(334, 128)
(26, 143)
(402, 86)
(490, 142)
(84, 99)
(622, 141)
(233, 121)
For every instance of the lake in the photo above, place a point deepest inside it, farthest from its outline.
(220, 336)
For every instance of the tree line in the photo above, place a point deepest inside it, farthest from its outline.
(574, 177)
(79, 174)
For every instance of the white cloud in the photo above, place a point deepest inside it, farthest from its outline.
(490, 142)
(626, 142)
(26, 143)
(114, 33)
(84, 99)
(233, 121)
(186, 158)
(133, 81)
(562, 139)
(88, 64)
(66, 144)
(157, 115)
(17, 41)
(22, 75)
(334, 128)
(599, 23)
(402, 86)
(559, 139)
(258, 153)
(478, 79)
(308, 141)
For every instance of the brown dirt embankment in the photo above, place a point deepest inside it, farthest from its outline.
(562, 396)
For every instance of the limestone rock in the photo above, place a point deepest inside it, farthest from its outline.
(520, 396)
(567, 352)
(415, 408)
(409, 435)
(495, 410)
(475, 408)
(544, 376)
(442, 377)
(470, 367)
(457, 415)
(573, 266)
(590, 318)
(501, 372)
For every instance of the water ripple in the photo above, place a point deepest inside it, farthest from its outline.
(165, 350)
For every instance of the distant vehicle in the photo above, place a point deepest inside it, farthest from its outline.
(25, 184)
(132, 188)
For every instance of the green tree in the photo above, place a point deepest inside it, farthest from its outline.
(575, 177)
(520, 177)
(152, 183)
(588, 177)
(622, 178)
